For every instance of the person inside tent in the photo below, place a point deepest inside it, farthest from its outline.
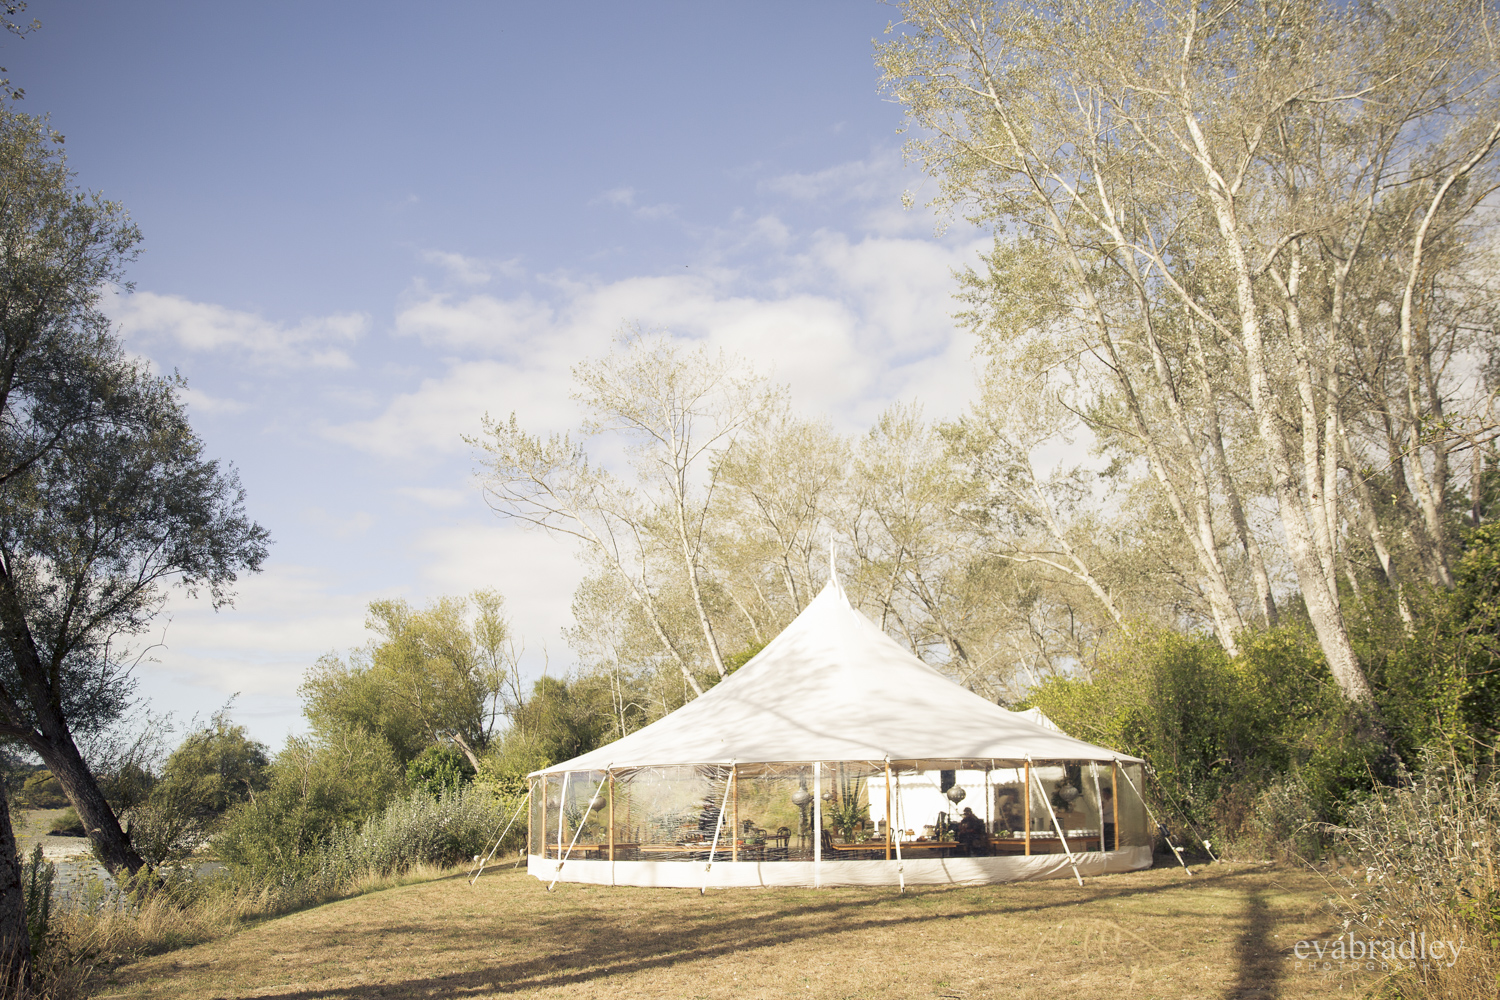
(972, 840)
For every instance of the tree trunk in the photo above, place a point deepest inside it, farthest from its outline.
(110, 843)
(49, 736)
(15, 940)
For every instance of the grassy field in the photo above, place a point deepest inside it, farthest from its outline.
(1226, 932)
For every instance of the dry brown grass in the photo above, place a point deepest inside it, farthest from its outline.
(1227, 932)
(113, 935)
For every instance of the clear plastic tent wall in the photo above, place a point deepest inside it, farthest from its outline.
(836, 757)
(838, 823)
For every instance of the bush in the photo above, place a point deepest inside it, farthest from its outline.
(1427, 852)
(67, 824)
(1253, 747)
(316, 786)
(41, 790)
(438, 769)
(422, 830)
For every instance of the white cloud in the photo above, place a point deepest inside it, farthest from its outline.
(431, 419)
(283, 619)
(856, 180)
(480, 321)
(535, 572)
(471, 270)
(850, 325)
(147, 318)
(339, 525)
(199, 401)
(438, 498)
(625, 197)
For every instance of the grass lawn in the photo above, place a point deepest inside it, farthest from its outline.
(1226, 932)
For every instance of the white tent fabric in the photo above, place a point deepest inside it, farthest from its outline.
(926, 871)
(834, 687)
(1040, 718)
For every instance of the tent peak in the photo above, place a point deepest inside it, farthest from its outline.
(833, 569)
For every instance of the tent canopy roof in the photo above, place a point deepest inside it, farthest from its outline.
(834, 687)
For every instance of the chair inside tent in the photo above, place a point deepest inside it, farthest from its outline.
(836, 757)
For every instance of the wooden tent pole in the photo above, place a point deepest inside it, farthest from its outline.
(1114, 793)
(817, 831)
(989, 828)
(890, 820)
(562, 799)
(1028, 806)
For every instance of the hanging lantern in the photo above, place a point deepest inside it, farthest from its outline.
(801, 797)
(828, 795)
(598, 802)
(1068, 793)
(955, 794)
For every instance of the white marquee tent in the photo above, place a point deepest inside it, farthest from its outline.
(791, 772)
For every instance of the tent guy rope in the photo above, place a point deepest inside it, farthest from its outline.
(728, 787)
(1056, 825)
(525, 801)
(579, 831)
(1159, 825)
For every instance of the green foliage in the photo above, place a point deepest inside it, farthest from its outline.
(438, 769)
(744, 656)
(212, 771)
(316, 786)
(37, 876)
(67, 824)
(41, 790)
(1437, 680)
(127, 785)
(559, 721)
(431, 672)
(216, 768)
(1208, 722)
(421, 829)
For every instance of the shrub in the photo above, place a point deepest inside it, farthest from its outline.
(422, 830)
(67, 824)
(41, 790)
(1254, 746)
(316, 787)
(440, 768)
(1428, 851)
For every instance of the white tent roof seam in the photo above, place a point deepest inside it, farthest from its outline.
(834, 687)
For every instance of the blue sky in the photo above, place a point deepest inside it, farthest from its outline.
(368, 224)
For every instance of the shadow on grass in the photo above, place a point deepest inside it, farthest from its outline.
(582, 953)
(1258, 975)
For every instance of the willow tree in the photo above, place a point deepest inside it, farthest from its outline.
(1220, 206)
(674, 411)
(106, 496)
